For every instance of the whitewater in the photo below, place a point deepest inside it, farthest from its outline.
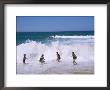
(83, 46)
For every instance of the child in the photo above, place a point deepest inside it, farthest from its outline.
(58, 57)
(24, 58)
(42, 59)
(74, 58)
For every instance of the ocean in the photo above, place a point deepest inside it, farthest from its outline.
(48, 37)
(34, 44)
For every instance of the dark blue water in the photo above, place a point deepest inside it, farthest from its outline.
(43, 37)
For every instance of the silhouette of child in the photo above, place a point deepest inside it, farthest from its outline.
(74, 58)
(42, 59)
(58, 57)
(24, 58)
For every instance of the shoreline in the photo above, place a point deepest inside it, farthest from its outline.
(57, 68)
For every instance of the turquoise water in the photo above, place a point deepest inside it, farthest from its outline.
(48, 37)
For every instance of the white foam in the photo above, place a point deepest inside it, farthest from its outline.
(76, 37)
(34, 50)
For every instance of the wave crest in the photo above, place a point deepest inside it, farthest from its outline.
(34, 50)
(87, 36)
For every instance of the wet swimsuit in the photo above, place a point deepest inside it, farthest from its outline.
(74, 56)
(42, 59)
(24, 59)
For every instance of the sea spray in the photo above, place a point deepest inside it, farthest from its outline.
(35, 50)
(36, 44)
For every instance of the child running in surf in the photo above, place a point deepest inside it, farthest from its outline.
(24, 58)
(42, 59)
(74, 58)
(58, 57)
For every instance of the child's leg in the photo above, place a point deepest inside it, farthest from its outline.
(24, 61)
(74, 62)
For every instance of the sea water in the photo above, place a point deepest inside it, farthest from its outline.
(34, 44)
